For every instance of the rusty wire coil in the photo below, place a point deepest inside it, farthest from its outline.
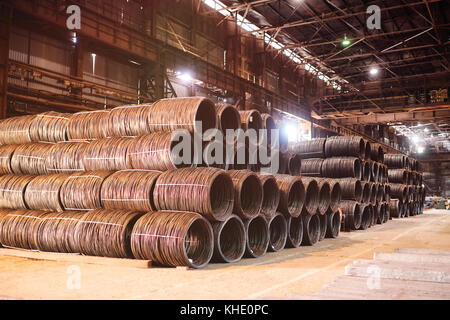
(269, 124)
(398, 176)
(382, 173)
(251, 119)
(129, 190)
(155, 152)
(42, 192)
(396, 161)
(295, 231)
(351, 211)
(229, 117)
(343, 146)
(388, 211)
(333, 224)
(257, 237)
(346, 167)
(383, 216)
(399, 191)
(16, 130)
(376, 152)
(311, 167)
(282, 162)
(12, 191)
(309, 149)
(6, 153)
(366, 171)
(107, 154)
(324, 196)
(292, 195)
(366, 192)
(181, 113)
(212, 157)
(30, 158)
(380, 193)
(377, 213)
(248, 193)
(246, 157)
(336, 194)
(66, 157)
(88, 125)
(322, 227)
(17, 228)
(367, 216)
(351, 189)
(128, 121)
(278, 232)
(229, 240)
(49, 126)
(387, 193)
(271, 194)
(81, 191)
(294, 165)
(55, 231)
(373, 192)
(208, 191)
(367, 150)
(173, 239)
(105, 233)
(311, 230)
(375, 171)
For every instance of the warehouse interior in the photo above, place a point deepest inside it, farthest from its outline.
(92, 92)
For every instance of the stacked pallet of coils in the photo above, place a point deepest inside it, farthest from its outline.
(357, 166)
(406, 181)
(108, 183)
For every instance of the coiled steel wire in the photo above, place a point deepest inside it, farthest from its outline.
(6, 153)
(251, 119)
(344, 146)
(324, 196)
(107, 154)
(380, 193)
(373, 192)
(294, 165)
(351, 211)
(257, 237)
(375, 171)
(128, 121)
(311, 167)
(311, 230)
(366, 171)
(271, 194)
(66, 157)
(333, 224)
(49, 127)
(295, 232)
(277, 232)
(229, 117)
(399, 191)
(395, 161)
(322, 227)
(129, 190)
(269, 124)
(292, 195)
(366, 192)
(248, 193)
(367, 150)
(88, 125)
(42, 192)
(16, 130)
(309, 149)
(30, 158)
(346, 167)
(229, 240)
(351, 189)
(376, 152)
(312, 200)
(398, 176)
(173, 239)
(12, 190)
(366, 216)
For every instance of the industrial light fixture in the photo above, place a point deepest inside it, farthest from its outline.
(373, 71)
(291, 131)
(420, 149)
(184, 76)
(345, 42)
(93, 62)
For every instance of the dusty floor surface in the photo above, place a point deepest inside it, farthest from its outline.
(292, 271)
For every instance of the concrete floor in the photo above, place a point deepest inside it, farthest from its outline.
(277, 275)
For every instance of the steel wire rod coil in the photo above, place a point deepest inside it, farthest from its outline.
(376, 152)
(6, 153)
(277, 232)
(292, 195)
(375, 171)
(30, 158)
(294, 164)
(311, 167)
(366, 192)
(55, 231)
(173, 239)
(129, 190)
(312, 200)
(271, 194)
(333, 224)
(181, 113)
(399, 191)
(322, 227)
(248, 193)
(17, 228)
(66, 157)
(283, 161)
(128, 121)
(346, 167)
(366, 170)
(373, 192)
(105, 233)
(309, 149)
(367, 150)
(49, 126)
(343, 146)
(12, 190)
(229, 117)
(88, 125)
(257, 237)
(154, 152)
(208, 191)
(367, 216)
(324, 196)
(388, 211)
(81, 191)
(385, 213)
(351, 189)
(251, 119)
(16, 130)
(396, 161)
(335, 194)
(382, 171)
(398, 176)
(352, 215)
(311, 230)
(229, 240)
(295, 232)
(387, 193)
(107, 154)
(269, 124)
(42, 192)
(380, 192)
